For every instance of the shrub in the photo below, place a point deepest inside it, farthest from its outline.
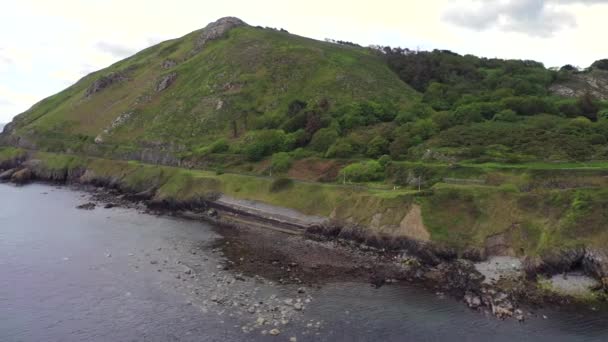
(281, 162)
(280, 184)
(506, 115)
(323, 139)
(377, 147)
(219, 146)
(262, 143)
(362, 171)
(384, 161)
(341, 149)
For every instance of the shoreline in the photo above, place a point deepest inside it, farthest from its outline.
(388, 260)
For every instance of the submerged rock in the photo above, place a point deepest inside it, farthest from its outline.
(87, 206)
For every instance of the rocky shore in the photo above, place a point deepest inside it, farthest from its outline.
(341, 251)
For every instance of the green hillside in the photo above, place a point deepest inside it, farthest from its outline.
(246, 79)
(460, 150)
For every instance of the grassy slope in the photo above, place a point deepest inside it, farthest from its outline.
(461, 216)
(255, 73)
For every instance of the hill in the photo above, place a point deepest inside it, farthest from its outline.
(485, 156)
(219, 86)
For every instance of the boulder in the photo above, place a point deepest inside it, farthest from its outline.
(166, 81)
(216, 30)
(105, 81)
(595, 263)
(22, 176)
(6, 175)
(168, 64)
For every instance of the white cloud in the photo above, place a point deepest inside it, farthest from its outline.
(542, 18)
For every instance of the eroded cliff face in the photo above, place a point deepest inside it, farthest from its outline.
(594, 82)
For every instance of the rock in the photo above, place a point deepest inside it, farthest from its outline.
(301, 290)
(595, 263)
(474, 254)
(519, 315)
(472, 300)
(153, 262)
(217, 30)
(87, 206)
(6, 175)
(274, 332)
(251, 310)
(168, 64)
(166, 81)
(22, 176)
(260, 321)
(109, 205)
(298, 306)
(104, 82)
(293, 339)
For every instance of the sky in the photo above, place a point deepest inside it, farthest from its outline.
(45, 46)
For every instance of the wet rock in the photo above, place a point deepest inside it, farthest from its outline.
(6, 175)
(519, 315)
(166, 81)
(274, 332)
(474, 254)
(87, 206)
(22, 176)
(153, 262)
(473, 301)
(595, 263)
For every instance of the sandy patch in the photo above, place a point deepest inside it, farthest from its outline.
(412, 225)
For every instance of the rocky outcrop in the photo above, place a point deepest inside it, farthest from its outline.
(168, 64)
(121, 119)
(104, 82)
(7, 175)
(595, 263)
(594, 82)
(217, 30)
(165, 81)
(22, 176)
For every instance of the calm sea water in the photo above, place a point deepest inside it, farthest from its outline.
(112, 275)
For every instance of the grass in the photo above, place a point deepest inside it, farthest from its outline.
(254, 72)
(458, 215)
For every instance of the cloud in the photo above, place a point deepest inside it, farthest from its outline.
(115, 50)
(539, 18)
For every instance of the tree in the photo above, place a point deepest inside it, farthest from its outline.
(323, 139)
(377, 147)
(588, 106)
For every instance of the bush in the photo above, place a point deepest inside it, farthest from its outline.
(260, 144)
(281, 184)
(219, 146)
(506, 115)
(281, 162)
(363, 172)
(384, 161)
(377, 147)
(323, 139)
(341, 149)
